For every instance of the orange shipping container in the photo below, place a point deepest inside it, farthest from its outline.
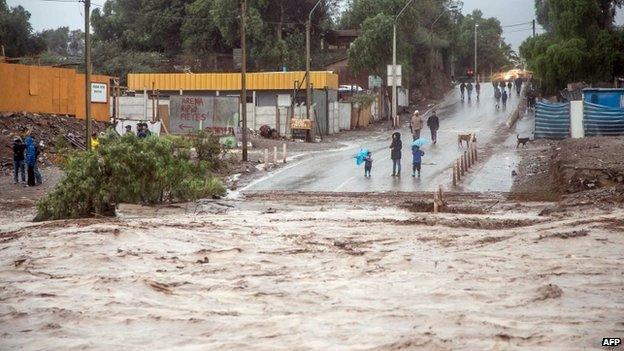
(40, 89)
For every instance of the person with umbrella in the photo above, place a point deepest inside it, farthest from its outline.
(417, 155)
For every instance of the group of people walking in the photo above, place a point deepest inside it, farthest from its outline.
(25, 159)
(468, 87)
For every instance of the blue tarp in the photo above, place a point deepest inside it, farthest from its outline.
(552, 121)
(602, 120)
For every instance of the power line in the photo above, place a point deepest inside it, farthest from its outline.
(517, 24)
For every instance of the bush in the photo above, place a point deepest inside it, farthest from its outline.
(129, 169)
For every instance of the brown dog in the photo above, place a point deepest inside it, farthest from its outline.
(469, 138)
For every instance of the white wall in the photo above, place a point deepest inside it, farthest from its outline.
(344, 115)
(132, 107)
(576, 120)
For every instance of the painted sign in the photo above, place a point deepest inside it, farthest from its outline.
(217, 114)
(300, 123)
(99, 92)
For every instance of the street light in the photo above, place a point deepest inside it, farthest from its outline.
(476, 74)
(308, 88)
(395, 119)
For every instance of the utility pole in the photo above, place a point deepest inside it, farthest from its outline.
(87, 14)
(476, 74)
(244, 77)
(395, 117)
(533, 28)
(308, 86)
(394, 83)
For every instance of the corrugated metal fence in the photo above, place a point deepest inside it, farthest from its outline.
(602, 120)
(552, 121)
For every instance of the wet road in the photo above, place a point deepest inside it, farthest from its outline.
(336, 170)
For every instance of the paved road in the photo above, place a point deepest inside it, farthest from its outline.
(336, 170)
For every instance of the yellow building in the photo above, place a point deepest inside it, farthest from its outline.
(40, 89)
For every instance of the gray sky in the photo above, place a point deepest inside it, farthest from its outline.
(50, 15)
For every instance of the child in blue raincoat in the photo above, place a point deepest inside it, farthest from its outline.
(417, 155)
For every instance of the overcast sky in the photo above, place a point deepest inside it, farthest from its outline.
(50, 14)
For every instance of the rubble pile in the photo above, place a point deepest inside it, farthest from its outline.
(43, 127)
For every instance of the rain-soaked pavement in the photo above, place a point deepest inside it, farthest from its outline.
(336, 170)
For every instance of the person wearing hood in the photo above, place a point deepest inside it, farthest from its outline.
(416, 125)
(31, 160)
(395, 154)
(18, 160)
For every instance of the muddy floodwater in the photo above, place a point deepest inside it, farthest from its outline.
(321, 277)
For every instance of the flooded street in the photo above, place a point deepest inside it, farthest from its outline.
(354, 274)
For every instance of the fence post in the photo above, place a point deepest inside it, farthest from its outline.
(275, 155)
(461, 165)
(475, 153)
(466, 160)
(284, 152)
(454, 175)
(457, 165)
(266, 159)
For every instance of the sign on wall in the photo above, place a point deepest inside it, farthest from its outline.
(99, 92)
(217, 114)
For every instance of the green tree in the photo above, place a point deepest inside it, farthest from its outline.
(581, 43)
(16, 33)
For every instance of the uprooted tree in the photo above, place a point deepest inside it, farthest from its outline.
(133, 170)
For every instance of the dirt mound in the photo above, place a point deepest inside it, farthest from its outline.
(43, 127)
(576, 171)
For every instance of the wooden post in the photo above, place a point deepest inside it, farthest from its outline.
(475, 153)
(462, 162)
(459, 173)
(469, 157)
(153, 102)
(284, 151)
(277, 116)
(266, 159)
(466, 162)
(275, 155)
(454, 175)
(435, 202)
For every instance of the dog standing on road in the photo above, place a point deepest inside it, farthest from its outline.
(469, 138)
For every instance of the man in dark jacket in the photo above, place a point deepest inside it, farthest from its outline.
(395, 154)
(19, 167)
(462, 87)
(434, 124)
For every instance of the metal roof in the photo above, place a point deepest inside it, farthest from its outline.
(230, 81)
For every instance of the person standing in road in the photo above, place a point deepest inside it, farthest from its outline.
(19, 167)
(416, 125)
(509, 86)
(462, 87)
(31, 159)
(478, 90)
(469, 89)
(417, 155)
(433, 122)
(368, 164)
(395, 154)
(497, 96)
(504, 98)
